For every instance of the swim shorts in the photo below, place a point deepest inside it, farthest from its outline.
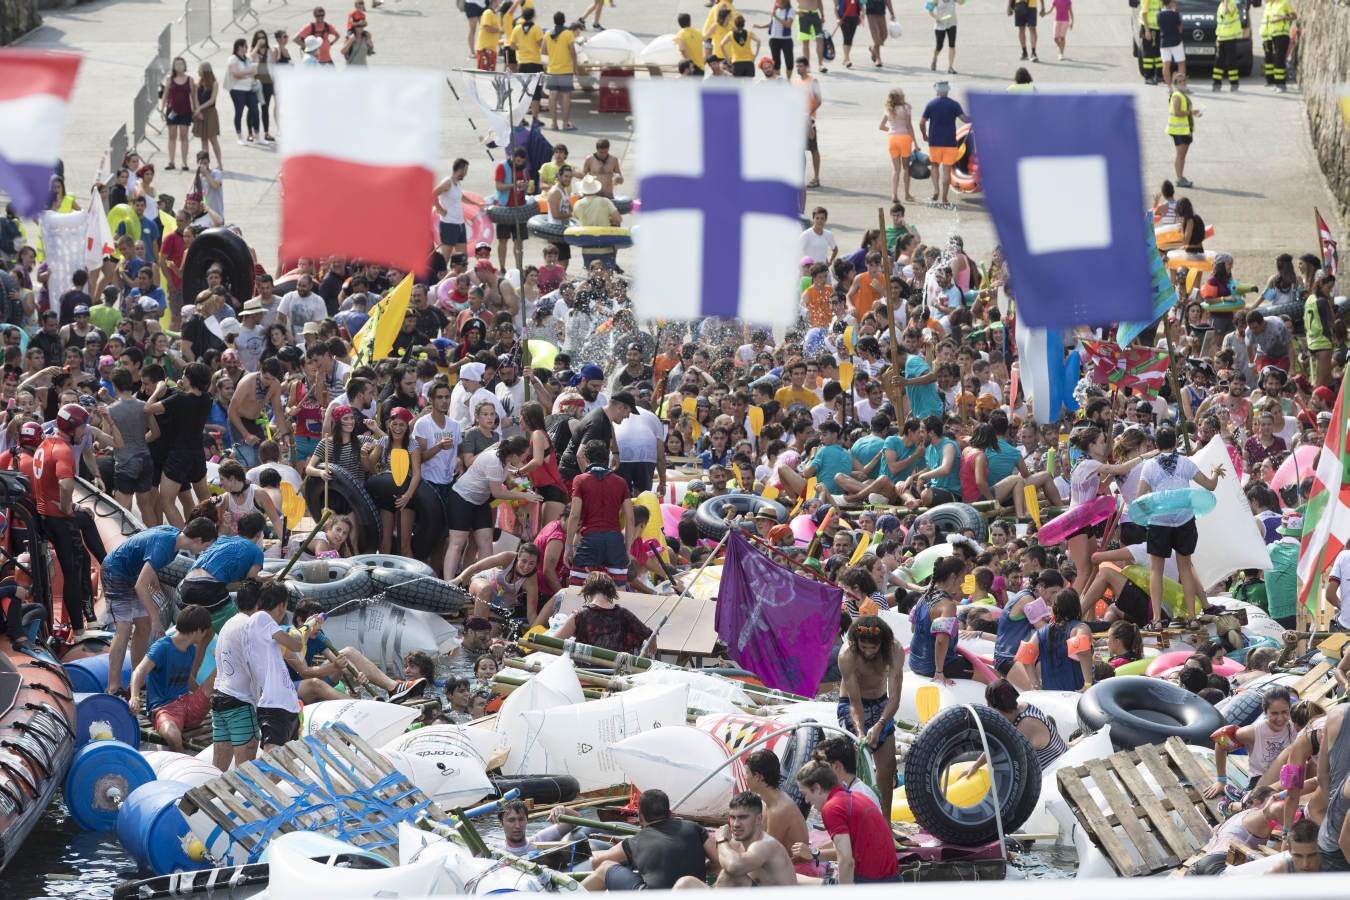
(186, 712)
(232, 720)
(872, 710)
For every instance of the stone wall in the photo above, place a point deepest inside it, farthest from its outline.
(17, 18)
(1323, 67)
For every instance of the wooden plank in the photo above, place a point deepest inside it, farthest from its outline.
(1129, 776)
(1144, 842)
(1157, 766)
(263, 782)
(1311, 678)
(1191, 770)
(693, 618)
(1085, 809)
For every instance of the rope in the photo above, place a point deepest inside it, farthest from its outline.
(333, 807)
(623, 664)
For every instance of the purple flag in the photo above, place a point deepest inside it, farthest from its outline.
(775, 623)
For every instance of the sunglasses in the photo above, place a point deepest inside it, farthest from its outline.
(869, 631)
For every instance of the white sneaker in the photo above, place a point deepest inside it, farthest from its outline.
(242, 142)
(1061, 57)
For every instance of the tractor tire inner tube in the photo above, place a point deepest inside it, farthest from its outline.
(958, 518)
(511, 215)
(539, 788)
(542, 227)
(429, 523)
(345, 495)
(174, 571)
(327, 582)
(222, 246)
(949, 737)
(584, 237)
(711, 513)
(392, 561)
(1143, 710)
(418, 591)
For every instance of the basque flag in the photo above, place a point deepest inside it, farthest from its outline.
(358, 155)
(1060, 174)
(34, 89)
(720, 169)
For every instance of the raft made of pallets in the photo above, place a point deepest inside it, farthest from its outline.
(1143, 829)
(1316, 684)
(331, 781)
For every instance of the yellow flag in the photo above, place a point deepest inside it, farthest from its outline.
(376, 337)
(292, 506)
(1033, 503)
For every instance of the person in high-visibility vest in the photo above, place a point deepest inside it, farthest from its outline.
(1150, 56)
(1181, 116)
(1227, 29)
(1281, 17)
(1267, 51)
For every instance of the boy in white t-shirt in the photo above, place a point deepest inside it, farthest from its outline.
(278, 703)
(234, 714)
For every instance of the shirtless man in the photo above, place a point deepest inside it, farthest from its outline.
(254, 393)
(747, 855)
(871, 667)
(782, 819)
(604, 167)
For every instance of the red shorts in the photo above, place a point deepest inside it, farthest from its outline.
(1281, 363)
(187, 712)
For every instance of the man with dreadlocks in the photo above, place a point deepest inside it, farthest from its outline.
(871, 666)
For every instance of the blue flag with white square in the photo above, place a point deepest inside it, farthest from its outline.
(1061, 179)
(720, 169)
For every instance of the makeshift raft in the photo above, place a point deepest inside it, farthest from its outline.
(1316, 684)
(1135, 823)
(330, 781)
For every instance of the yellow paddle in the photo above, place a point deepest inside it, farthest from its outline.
(1033, 504)
(689, 405)
(755, 416)
(968, 585)
(292, 506)
(770, 492)
(808, 491)
(848, 345)
(926, 702)
(399, 463)
(846, 375)
(538, 629)
(860, 549)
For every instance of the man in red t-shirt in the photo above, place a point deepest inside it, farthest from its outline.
(597, 537)
(512, 180)
(54, 471)
(320, 29)
(21, 457)
(864, 849)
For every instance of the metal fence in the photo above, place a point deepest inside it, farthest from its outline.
(117, 148)
(142, 108)
(240, 12)
(197, 22)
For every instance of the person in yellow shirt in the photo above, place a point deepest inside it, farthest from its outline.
(561, 46)
(713, 34)
(690, 43)
(489, 36)
(796, 391)
(527, 44)
(740, 47)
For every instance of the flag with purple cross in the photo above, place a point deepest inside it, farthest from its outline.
(720, 169)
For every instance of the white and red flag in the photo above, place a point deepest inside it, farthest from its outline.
(358, 155)
(1326, 522)
(34, 90)
(1326, 244)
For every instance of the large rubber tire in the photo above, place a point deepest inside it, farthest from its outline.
(1294, 312)
(958, 518)
(624, 205)
(709, 515)
(391, 561)
(334, 581)
(539, 788)
(428, 511)
(1245, 708)
(174, 571)
(1143, 710)
(800, 747)
(424, 592)
(346, 495)
(511, 215)
(1017, 776)
(218, 245)
(540, 227)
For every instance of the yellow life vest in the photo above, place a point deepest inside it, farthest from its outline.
(1179, 123)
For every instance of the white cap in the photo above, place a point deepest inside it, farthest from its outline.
(472, 371)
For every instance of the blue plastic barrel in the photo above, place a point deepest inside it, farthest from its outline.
(101, 777)
(90, 674)
(91, 708)
(151, 828)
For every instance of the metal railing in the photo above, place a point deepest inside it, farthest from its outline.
(241, 11)
(197, 23)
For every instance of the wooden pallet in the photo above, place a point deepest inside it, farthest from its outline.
(332, 782)
(1317, 684)
(1136, 829)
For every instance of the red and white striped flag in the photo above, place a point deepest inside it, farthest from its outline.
(1327, 244)
(1327, 519)
(357, 162)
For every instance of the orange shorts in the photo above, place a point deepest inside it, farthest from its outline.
(944, 156)
(187, 712)
(900, 145)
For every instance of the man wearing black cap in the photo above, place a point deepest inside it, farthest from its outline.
(597, 425)
(634, 369)
(642, 445)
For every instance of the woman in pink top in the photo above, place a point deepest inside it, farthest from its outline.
(1063, 21)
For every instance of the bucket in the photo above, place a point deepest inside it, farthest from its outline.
(102, 716)
(90, 674)
(152, 829)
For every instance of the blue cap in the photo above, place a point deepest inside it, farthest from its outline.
(592, 372)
